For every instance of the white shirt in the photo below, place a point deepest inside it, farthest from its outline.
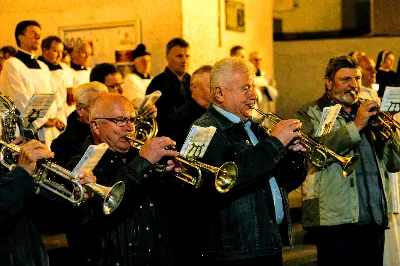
(20, 82)
(135, 89)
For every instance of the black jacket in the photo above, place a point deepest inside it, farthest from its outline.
(69, 143)
(134, 233)
(174, 94)
(180, 121)
(243, 223)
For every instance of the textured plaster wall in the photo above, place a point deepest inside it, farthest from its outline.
(210, 42)
(160, 19)
(300, 66)
(310, 15)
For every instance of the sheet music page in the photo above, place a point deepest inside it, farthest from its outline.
(197, 142)
(37, 106)
(391, 100)
(150, 99)
(90, 159)
(329, 115)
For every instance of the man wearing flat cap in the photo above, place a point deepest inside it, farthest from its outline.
(138, 81)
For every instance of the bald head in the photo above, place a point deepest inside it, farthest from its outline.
(108, 105)
(200, 86)
(255, 58)
(111, 121)
(367, 65)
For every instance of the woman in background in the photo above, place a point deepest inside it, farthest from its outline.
(385, 76)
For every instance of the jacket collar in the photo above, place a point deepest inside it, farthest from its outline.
(326, 101)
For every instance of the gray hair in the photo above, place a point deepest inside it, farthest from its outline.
(80, 93)
(77, 47)
(222, 70)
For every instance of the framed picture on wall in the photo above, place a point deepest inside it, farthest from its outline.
(235, 15)
(111, 42)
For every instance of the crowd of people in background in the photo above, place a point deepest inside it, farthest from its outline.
(165, 221)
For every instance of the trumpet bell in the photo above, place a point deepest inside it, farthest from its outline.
(112, 196)
(226, 177)
(350, 165)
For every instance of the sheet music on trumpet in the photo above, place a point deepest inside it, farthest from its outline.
(90, 159)
(391, 100)
(197, 141)
(37, 107)
(329, 115)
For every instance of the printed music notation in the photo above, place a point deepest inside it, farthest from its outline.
(391, 100)
(197, 142)
(90, 159)
(329, 115)
(37, 107)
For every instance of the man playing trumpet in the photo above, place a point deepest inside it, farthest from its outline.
(134, 234)
(349, 215)
(249, 224)
(20, 240)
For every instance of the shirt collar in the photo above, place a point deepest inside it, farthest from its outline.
(232, 117)
(32, 55)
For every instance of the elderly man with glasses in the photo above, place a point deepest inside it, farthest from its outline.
(134, 234)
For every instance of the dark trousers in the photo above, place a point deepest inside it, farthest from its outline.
(350, 245)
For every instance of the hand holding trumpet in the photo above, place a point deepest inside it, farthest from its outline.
(30, 152)
(364, 113)
(34, 150)
(155, 149)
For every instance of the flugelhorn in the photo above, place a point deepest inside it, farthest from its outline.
(384, 117)
(145, 128)
(319, 153)
(111, 196)
(225, 176)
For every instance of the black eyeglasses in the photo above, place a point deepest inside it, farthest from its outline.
(116, 85)
(119, 121)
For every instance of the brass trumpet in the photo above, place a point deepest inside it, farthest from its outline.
(318, 155)
(384, 117)
(111, 196)
(225, 176)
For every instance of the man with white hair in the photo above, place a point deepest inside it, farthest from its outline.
(69, 142)
(250, 223)
(81, 56)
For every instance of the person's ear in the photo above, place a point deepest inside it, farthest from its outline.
(219, 94)
(328, 84)
(79, 109)
(94, 127)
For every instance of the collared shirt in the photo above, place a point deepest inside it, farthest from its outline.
(28, 59)
(276, 194)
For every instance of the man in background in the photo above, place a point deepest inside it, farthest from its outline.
(70, 141)
(265, 88)
(23, 76)
(108, 74)
(180, 121)
(238, 51)
(61, 75)
(174, 82)
(368, 78)
(80, 62)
